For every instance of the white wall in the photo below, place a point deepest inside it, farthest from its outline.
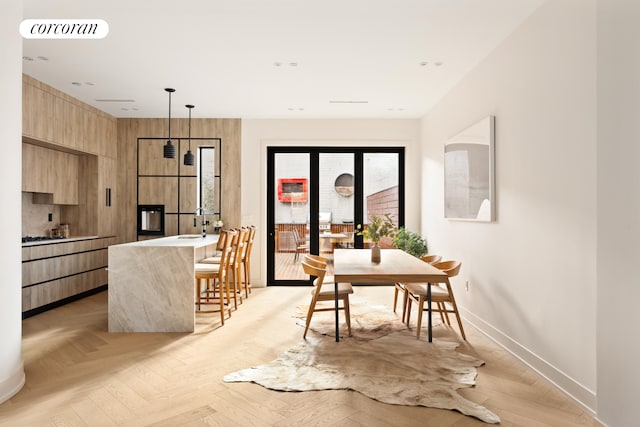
(532, 273)
(259, 133)
(618, 347)
(11, 367)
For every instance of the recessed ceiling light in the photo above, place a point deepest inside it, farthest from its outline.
(424, 63)
(76, 83)
(293, 64)
(115, 100)
(89, 83)
(348, 102)
(124, 109)
(27, 58)
(135, 109)
(43, 58)
(277, 64)
(437, 64)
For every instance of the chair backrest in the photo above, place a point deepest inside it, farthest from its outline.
(431, 259)
(222, 240)
(238, 246)
(316, 261)
(245, 242)
(296, 236)
(317, 272)
(452, 268)
(225, 257)
(251, 236)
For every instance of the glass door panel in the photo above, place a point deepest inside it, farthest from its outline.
(336, 202)
(291, 214)
(381, 189)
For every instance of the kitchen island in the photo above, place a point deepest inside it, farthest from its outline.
(151, 283)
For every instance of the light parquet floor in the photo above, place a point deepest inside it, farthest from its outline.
(78, 374)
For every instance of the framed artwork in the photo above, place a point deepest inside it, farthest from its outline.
(469, 173)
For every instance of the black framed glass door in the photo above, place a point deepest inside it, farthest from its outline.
(316, 196)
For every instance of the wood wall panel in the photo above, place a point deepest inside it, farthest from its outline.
(129, 130)
(158, 191)
(188, 194)
(152, 161)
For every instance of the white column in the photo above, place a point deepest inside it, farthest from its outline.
(11, 366)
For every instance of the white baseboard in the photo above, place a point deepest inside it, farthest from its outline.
(583, 396)
(12, 384)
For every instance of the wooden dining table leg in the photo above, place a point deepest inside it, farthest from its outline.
(335, 287)
(429, 308)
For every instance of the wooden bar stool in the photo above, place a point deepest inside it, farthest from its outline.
(216, 284)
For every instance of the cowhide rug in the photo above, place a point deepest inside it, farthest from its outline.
(388, 365)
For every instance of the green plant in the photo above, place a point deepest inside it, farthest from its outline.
(410, 242)
(377, 228)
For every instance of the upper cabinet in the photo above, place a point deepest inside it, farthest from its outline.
(51, 173)
(53, 117)
(42, 114)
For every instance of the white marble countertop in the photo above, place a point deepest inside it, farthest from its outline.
(187, 240)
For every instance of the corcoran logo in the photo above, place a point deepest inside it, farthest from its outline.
(64, 28)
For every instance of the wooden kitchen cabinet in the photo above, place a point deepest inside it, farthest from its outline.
(56, 272)
(73, 120)
(65, 178)
(106, 196)
(42, 114)
(90, 129)
(52, 174)
(36, 169)
(107, 137)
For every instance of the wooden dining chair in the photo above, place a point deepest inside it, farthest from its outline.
(400, 287)
(302, 245)
(442, 298)
(323, 291)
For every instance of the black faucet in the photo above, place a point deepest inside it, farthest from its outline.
(204, 220)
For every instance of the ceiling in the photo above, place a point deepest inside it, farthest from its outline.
(270, 59)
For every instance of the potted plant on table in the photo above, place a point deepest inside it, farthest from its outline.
(377, 228)
(410, 242)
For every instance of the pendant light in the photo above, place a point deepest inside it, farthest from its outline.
(189, 158)
(169, 148)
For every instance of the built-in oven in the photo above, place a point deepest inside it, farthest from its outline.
(151, 220)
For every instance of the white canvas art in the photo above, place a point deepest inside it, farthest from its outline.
(469, 173)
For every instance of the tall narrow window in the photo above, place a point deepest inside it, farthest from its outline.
(208, 180)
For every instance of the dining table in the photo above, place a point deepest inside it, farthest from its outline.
(355, 266)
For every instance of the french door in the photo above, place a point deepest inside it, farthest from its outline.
(317, 196)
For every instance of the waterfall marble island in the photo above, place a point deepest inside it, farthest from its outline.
(151, 283)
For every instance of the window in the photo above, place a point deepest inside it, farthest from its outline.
(208, 180)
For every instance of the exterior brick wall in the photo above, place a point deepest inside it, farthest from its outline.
(381, 203)
(384, 202)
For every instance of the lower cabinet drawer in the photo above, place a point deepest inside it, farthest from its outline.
(55, 290)
(67, 270)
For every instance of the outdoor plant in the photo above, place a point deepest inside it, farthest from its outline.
(377, 228)
(410, 242)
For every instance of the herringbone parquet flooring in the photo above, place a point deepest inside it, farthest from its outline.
(78, 374)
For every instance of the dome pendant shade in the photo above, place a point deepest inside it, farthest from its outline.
(169, 148)
(189, 158)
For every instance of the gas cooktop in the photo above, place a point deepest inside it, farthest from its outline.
(27, 239)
